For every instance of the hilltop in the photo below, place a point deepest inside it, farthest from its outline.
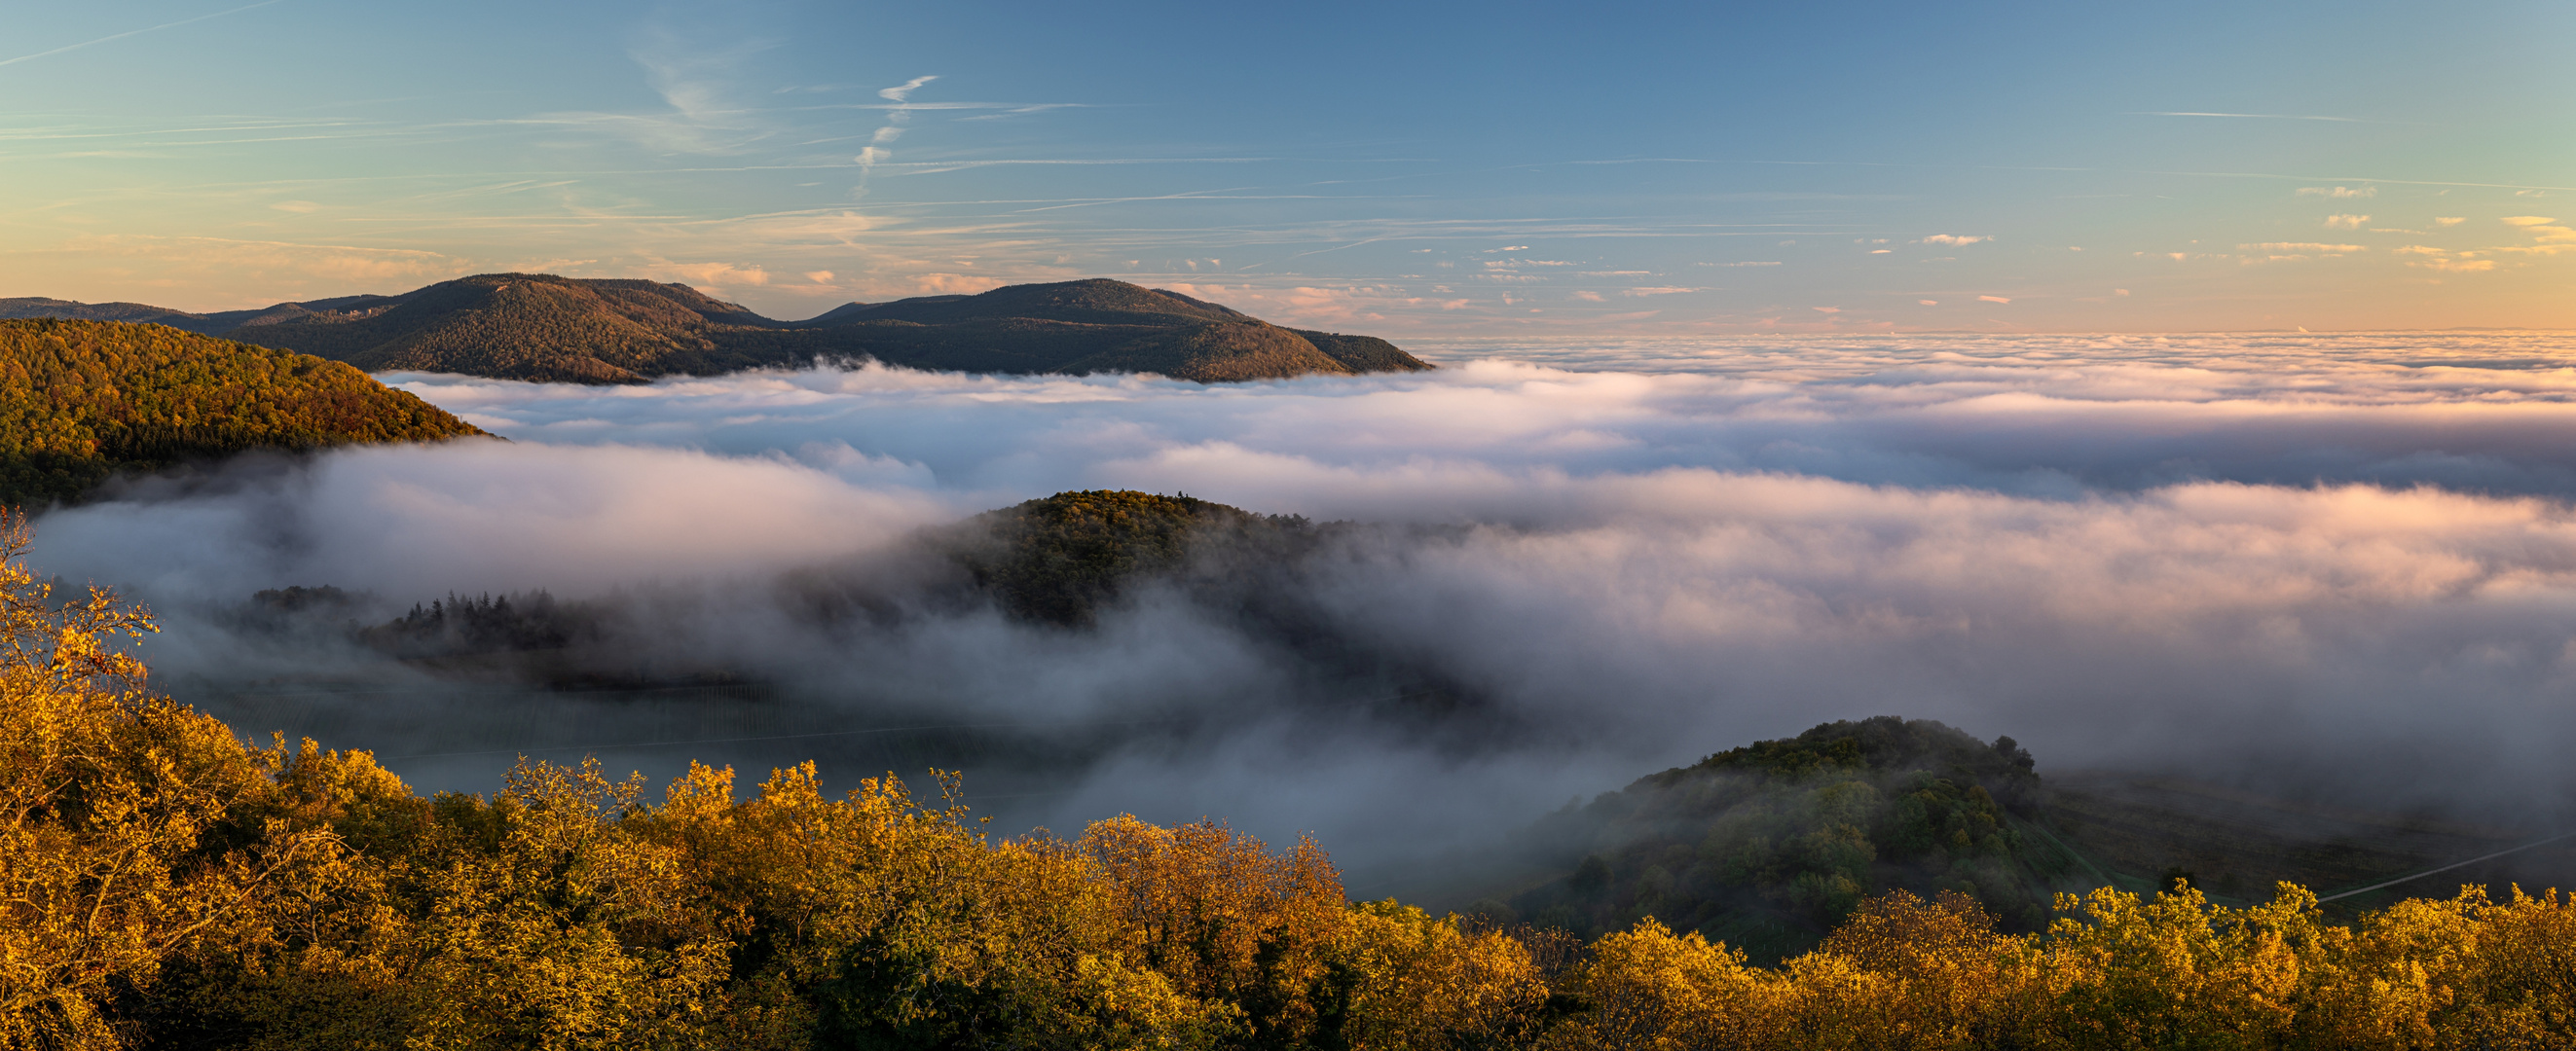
(545, 328)
(83, 400)
(1059, 558)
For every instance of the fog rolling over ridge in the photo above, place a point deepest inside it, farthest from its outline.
(2344, 570)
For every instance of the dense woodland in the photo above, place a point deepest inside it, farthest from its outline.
(546, 328)
(164, 885)
(83, 400)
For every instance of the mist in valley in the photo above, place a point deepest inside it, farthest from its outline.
(2344, 575)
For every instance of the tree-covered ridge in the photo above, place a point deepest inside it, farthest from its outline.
(542, 327)
(528, 327)
(212, 324)
(83, 400)
(164, 885)
(1771, 845)
(1079, 327)
(1090, 302)
(1058, 558)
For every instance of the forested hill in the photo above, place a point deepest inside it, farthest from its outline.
(83, 400)
(1771, 845)
(1059, 558)
(542, 327)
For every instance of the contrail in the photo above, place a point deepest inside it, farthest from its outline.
(132, 32)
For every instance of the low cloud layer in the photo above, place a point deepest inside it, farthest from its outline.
(2346, 573)
(2040, 415)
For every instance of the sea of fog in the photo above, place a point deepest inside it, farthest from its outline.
(2341, 567)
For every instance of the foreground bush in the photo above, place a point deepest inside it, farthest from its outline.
(162, 884)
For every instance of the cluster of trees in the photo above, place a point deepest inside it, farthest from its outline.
(163, 884)
(83, 400)
(484, 624)
(1769, 846)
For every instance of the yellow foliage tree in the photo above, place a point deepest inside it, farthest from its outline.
(1651, 990)
(1225, 919)
(118, 838)
(1420, 983)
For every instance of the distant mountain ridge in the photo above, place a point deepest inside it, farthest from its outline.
(545, 328)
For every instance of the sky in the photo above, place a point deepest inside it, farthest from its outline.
(1419, 171)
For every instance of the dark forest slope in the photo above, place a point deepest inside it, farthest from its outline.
(82, 400)
(555, 329)
(1768, 846)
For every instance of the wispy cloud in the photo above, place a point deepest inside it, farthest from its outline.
(694, 81)
(2345, 221)
(903, 92)
(2338, 192)
(2552, 238)
(896, 118)
(1955, 239)
(714, 277)
(286, 266)
(2443, 259)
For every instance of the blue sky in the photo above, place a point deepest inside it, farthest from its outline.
(1419, 171)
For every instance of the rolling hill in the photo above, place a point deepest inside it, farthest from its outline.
(83, 400)
(544, 328)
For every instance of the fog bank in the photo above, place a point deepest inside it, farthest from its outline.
(2336, 574)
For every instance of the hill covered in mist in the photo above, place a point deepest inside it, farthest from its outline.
(1056, 563)
(83, 400)
(545, 328)
(1767, 846)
